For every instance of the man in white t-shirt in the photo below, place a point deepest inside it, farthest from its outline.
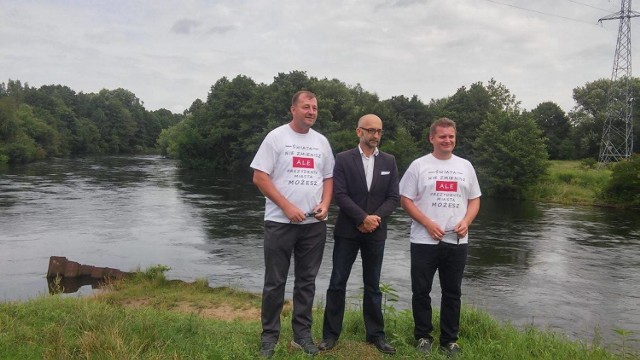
(440, 192)
(293, 168)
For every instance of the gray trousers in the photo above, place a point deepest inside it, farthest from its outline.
(306, 243)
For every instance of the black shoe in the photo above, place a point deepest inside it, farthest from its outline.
(327, 344)
(383, 346)
(306, 345)
(424, 345)
(267, 349)
(451, 349)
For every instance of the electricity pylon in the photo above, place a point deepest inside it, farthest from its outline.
(617, 134)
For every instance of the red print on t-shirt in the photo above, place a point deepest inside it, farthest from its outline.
(446, 186)
(302, 162)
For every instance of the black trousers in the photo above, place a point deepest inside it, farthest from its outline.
(449, 260)
(345, 251)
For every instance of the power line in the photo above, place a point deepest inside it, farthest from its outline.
(587, 5)
(542, 13)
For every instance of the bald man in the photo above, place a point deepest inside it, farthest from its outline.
(365, 189)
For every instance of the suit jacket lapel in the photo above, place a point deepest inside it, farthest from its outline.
(377, 165)
(359, 166)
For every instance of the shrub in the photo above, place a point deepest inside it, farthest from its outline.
(589, 163)
(624, 186)
(566, 178)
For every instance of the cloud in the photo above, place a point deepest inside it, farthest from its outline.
(389, 47)
(185, 26)
(221, 29)
(399, 3)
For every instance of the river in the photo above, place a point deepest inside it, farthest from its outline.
(568, 268)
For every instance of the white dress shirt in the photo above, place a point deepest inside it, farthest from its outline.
(368, 165)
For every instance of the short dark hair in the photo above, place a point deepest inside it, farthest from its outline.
(442, 122)
(297, 95)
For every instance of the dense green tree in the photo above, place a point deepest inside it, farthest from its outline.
(469, 108)
(183, 142)
(116, 114)
(54, 120)
(45, 136)
(404, 148)
(226, 125)
(9, 127)
(195, 106)
(85, 137)
(624, 185)
(555, 126)
(8, 124)
(171, 139)
(15, 89)
(342, 140)
(412, 115)
(336, 105)
(501, 98)
(238, 113)
(589, 115)
(22, 150)
(366, 102)
(510, 154)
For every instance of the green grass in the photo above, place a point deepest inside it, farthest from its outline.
(146, 318)
(570, 182)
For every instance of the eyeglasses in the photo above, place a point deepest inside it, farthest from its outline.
(372, 131)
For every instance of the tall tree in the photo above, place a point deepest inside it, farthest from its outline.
(469, 108)
(227, 124)
(588, 116)
(510, 154)
(555, 126)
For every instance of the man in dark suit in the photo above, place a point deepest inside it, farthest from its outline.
(365, 183)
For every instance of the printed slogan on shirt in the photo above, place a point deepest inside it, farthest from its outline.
(302, 162)
(303, 170)
(446, 186)
(445, 192)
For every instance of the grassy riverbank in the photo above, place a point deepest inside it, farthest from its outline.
(148, 317)
(571, 182)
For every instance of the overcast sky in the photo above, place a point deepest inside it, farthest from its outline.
(170, 53)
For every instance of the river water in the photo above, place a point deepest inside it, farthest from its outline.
(566, 268)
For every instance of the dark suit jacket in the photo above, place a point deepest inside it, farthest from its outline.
(355, 201)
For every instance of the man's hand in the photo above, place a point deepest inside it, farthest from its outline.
(294, 214)
(370, 224)
(320, 212)
(434, 230)
(462, 228)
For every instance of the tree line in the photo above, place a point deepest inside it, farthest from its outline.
(55, 121)
(509, 146)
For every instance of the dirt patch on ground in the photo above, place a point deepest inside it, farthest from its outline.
(223, 311)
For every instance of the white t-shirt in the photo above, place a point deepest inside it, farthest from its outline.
(441, 189)
(297, 164)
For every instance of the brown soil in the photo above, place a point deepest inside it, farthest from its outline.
(222, 311)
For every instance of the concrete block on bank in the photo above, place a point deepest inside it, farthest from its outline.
(56, 266)
(71, 269)
(61, 266)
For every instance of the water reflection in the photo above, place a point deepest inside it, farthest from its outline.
(558, 267)
(569, 267)
(72, 285)
(230, 206)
